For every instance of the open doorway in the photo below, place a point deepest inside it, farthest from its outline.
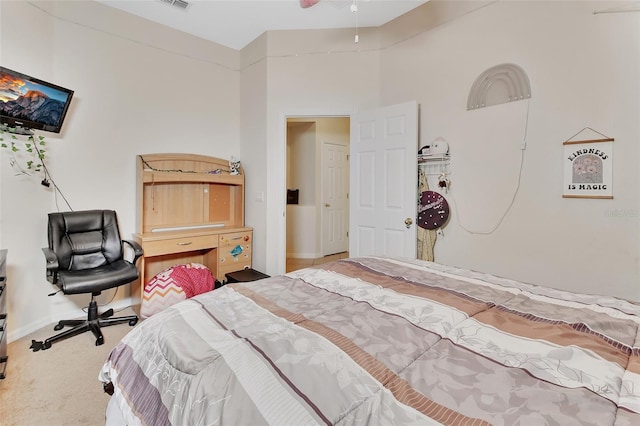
(317, 182)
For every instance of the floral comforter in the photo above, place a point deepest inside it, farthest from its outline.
(384, 342)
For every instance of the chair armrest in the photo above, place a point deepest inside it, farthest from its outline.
(137, 249)
(52, 264)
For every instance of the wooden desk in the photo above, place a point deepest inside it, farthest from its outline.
(221, 250)
(190, 208)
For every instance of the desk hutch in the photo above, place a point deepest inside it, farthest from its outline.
(190, 208)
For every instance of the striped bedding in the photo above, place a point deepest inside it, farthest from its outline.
(382, 342)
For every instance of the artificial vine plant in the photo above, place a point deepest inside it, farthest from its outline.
(26, 155)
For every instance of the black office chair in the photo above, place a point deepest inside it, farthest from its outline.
(86, 255)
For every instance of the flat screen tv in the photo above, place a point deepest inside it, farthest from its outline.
(29, 103)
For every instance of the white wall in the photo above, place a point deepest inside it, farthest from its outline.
(253, 145)
(301, 164)
(584, 70)
(302, 223)
(144, 88)
(139, 88)
(309, 73)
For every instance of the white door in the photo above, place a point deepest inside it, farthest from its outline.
(384, 181)
(335, 204)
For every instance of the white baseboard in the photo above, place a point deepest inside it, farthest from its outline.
(304, 255)
(15, 334)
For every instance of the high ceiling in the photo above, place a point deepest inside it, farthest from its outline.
(236, 23)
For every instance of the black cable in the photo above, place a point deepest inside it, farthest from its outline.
(216, 171)
(48, 179)
(86, 308)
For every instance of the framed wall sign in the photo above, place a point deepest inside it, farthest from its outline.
(588, 168)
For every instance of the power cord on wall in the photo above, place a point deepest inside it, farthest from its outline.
(515, 193)
(48, 180)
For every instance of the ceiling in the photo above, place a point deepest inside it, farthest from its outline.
(236, 23)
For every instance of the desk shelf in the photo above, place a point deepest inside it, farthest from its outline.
(224, 178)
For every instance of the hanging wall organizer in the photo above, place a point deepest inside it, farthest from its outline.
(433, 159)
(588, 166)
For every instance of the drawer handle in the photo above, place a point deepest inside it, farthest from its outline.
(185, 243)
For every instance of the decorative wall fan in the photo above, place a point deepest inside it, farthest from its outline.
(433, 211)
(499, 84)
(307, 3)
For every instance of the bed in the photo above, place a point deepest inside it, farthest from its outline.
(381, 341)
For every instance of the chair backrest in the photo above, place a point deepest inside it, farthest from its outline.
(85, 239)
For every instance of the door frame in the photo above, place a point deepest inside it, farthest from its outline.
(281, 180)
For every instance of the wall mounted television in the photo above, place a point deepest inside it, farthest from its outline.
(27, 103)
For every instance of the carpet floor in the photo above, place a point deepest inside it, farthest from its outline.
(58, 386)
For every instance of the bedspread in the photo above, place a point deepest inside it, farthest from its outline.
(383, 342)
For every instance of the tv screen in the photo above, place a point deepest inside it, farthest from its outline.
(28, 103)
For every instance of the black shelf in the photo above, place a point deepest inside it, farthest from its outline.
(3, 366)
(3, 314)
(244, 276)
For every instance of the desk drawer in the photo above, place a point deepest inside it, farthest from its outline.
(232, 265)
(234, 238)
(179, 245)
(234, 252)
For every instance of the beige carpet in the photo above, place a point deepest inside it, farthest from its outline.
(58, 386)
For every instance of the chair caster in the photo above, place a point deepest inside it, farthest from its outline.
(36, 346)
(58, 327)
(99, 341)
(133, 322)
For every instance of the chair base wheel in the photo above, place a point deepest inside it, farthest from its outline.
(93, 323)
(36, 345)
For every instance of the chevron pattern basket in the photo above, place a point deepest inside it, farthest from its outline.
(174, 285)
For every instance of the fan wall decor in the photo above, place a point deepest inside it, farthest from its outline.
(497, 85)
(307, 3)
